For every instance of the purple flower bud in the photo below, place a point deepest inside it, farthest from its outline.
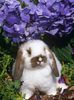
(61, 80)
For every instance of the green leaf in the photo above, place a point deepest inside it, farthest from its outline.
(64, 54)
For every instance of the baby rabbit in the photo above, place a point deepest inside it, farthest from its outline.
(37, 67)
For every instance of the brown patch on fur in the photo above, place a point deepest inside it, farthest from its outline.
(34, 60)
(53, 65)
(18, 65)
(29, 51)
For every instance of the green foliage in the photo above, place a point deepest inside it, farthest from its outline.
(35, 1)
(9, 90)
(68, 70)
(64, 54)
(5, 61)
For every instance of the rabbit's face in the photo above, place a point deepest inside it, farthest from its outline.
(35, 56)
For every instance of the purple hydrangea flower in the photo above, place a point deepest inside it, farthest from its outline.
(47, 17)
(24, 14)
(2, 13)
(55, 16)
(14, 23)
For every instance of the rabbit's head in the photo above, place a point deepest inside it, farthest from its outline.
(34, 54)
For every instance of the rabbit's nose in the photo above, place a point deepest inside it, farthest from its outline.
(40, 59)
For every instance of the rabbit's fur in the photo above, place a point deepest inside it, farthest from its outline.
(37, 67)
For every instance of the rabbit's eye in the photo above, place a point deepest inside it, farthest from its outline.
(29, 51)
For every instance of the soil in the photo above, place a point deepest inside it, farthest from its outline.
(68, 94)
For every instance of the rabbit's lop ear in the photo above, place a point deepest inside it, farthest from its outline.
(18, 66)
(52, 61)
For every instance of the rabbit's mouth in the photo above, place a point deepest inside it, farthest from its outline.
(39, 60)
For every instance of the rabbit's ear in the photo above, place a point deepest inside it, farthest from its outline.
(52, 62)
(19, 65)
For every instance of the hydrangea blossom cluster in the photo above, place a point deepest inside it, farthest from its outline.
(23, 19)
(55, 16)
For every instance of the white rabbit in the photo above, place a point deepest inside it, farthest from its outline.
(36, 66)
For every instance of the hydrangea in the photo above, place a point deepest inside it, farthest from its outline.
(23, 19)
(2, 13)
(55, 16)
(15, 20)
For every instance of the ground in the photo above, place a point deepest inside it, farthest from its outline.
(66, 95)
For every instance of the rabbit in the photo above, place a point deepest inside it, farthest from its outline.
(37, 67)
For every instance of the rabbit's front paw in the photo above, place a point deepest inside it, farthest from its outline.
(63, 86)
(52, 91)
(27, 94)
